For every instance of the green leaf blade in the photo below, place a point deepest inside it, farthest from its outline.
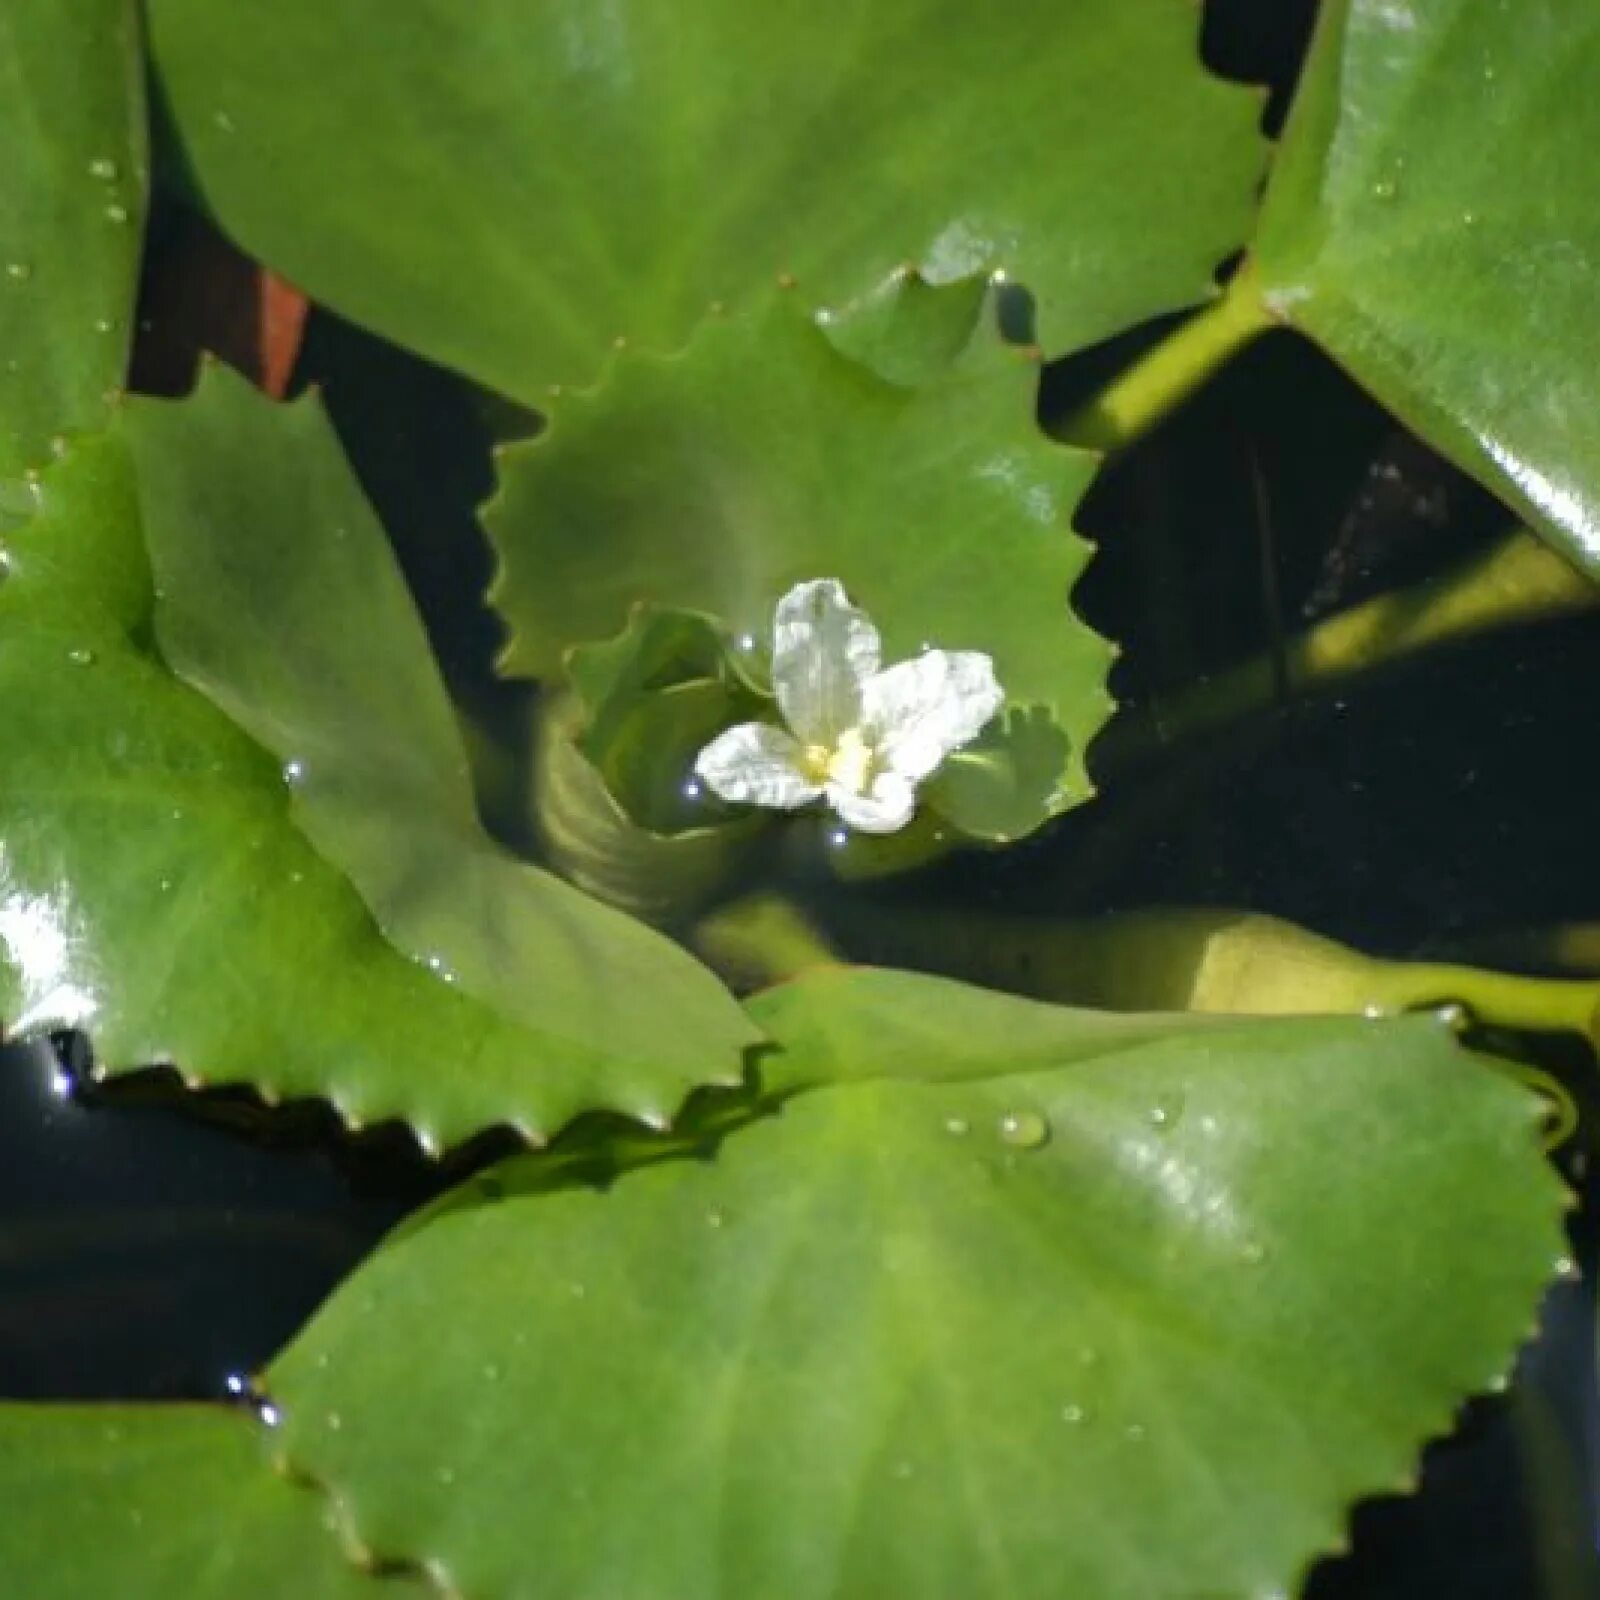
(1426, 223)
(1110, 1316)
(71, 207)
(280, 600)
(179, 1499)
(158, 891)
(610, 175)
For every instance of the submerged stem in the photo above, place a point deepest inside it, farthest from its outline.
(1518, 580)
(1164, 377)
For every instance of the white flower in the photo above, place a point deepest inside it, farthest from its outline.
(861, 737)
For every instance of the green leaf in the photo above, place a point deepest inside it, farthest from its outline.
(1017, 1302)
(278, 598)
(150, 1502)
(762, 456)
(1428, 222)
(518, 185)
(163, 887)
(71, 203)
(907, 329)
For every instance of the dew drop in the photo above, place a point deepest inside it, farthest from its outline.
(1025, 1130)
(838, 838)
(747, 642)
(1073, 1414)
(693, 789)
(958, 1126)
(1160, 1117)
(903, 1470)
(223, 121)
(1385, 189)
(446, 1476)
(270, 1415)
(577, 1290)
(335, 1421)
(104, 168)
(80, 657)
(1253, 1253)
(491, 1371)
(716, 1218)
(117, 214)
(294, 773)
(18, 271)
(103, 325)
(1134, 1433)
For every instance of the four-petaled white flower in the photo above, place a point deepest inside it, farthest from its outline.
(858, 735)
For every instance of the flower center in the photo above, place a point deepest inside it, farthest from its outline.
(848, 762)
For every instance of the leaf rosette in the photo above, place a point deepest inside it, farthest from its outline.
(764, 456)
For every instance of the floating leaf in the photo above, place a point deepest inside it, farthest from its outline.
(762, 457)
(1426, 223)
(149, 1502)
(159, 881)
(1014, 1301)
(593, 173)
(71, 203)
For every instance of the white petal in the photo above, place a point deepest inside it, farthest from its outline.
(756, 764)
(920, 710)
(886, 807)
(823, 650)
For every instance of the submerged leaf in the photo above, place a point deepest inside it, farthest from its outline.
(1010, 1301)
(517, 186)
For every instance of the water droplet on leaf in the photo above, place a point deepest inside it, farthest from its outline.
(1026, 1130)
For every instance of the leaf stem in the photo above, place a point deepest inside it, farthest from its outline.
(1165, 376)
